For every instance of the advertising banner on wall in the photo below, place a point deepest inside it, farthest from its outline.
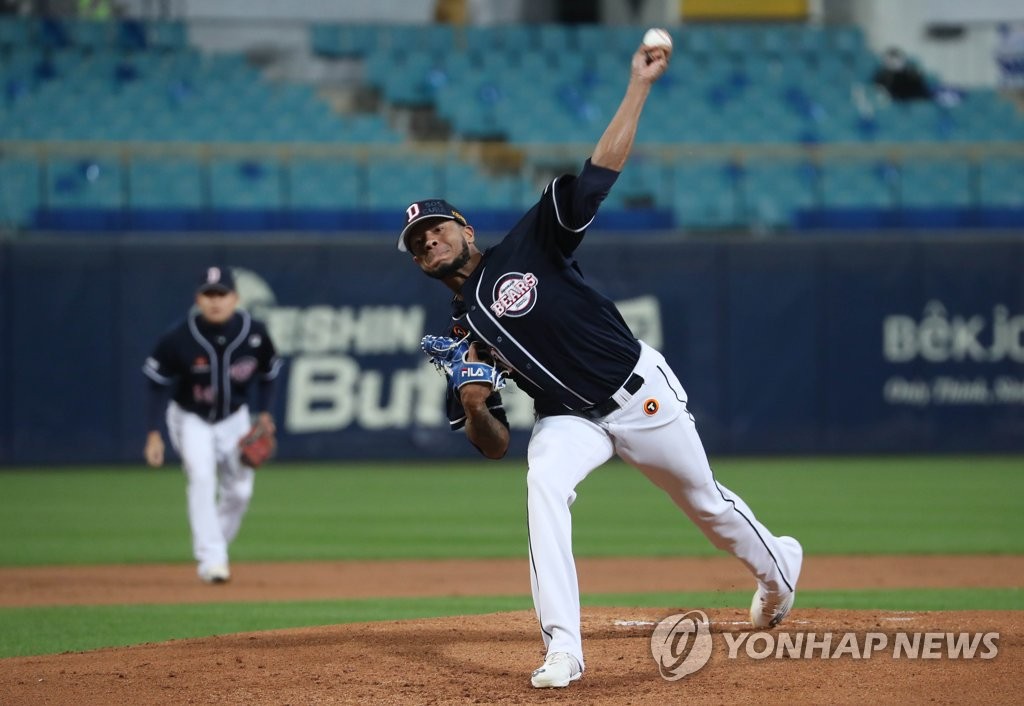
(824, 346)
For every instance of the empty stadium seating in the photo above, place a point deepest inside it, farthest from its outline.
(733, 86)
(1001, 182)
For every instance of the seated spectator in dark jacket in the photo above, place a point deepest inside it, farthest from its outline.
(902, 80)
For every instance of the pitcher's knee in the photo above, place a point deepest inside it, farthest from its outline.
(541, 482)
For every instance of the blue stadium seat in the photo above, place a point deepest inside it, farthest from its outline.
(555, 39)
(857, 184)
(409, 83)
(626, 38)
(51, 33)
(84, 183)
(696, 40)
(811, 41)
(644, 183)
(739, 40)
(395, 183)
(16, 32)
(399, 39)
(470, 188)
(19, 190)
(935, 183)
(705, 195)
(847, 40)
(517, 39)
(245, 183)
(438, 38)
(167, 35)
(316, 183)
(366, 129)
(325, 39)
(91, 35)
(775, 40)
(478, 110)
(345, 40)
(591, 40)
(1001, 182)
(477, 40)
(167, 182)
(774, 191)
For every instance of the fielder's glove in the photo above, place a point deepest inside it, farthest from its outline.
(257, 446)
(448, 355)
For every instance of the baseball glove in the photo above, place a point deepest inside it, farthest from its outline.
(257, 446)
(448, 355)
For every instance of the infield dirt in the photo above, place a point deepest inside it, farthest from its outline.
(488, 658)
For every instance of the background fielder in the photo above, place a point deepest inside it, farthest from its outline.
(207, 365)
(597, 390)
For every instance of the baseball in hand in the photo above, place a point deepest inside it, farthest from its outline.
(656, 37)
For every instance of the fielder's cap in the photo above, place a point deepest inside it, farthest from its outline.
(216, 279)
(431, 208)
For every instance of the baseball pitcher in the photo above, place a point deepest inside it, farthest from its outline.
(523, 310)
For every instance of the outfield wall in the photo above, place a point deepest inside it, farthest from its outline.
(796, 346)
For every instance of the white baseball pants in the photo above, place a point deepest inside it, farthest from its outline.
(219, 486)
(664, 445)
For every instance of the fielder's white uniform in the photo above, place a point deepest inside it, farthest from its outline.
(219, 485)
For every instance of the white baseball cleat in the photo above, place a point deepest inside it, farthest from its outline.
(214, 573)
(769, 608)
(558, 670)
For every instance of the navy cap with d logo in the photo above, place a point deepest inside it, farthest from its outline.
(216, 279)
(431, 208)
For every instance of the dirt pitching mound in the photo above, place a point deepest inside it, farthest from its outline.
(487, 659)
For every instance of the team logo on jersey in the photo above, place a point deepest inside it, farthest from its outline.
(204, 395)
(459, 332)
(514, 294)
(201, 363)
(651, 407)
(241, 370)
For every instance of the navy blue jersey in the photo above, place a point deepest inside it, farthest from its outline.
(210, 367)
(565, 344)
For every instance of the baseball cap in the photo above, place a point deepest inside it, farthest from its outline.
(431, 208)
(217, 279)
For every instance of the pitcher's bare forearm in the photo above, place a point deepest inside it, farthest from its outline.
(485, 431)
(615, 145)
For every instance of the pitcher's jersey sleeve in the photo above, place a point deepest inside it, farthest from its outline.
(572, 202)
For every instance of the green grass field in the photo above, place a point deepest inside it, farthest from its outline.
(910, 505)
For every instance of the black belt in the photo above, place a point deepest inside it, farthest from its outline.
(603, 409)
